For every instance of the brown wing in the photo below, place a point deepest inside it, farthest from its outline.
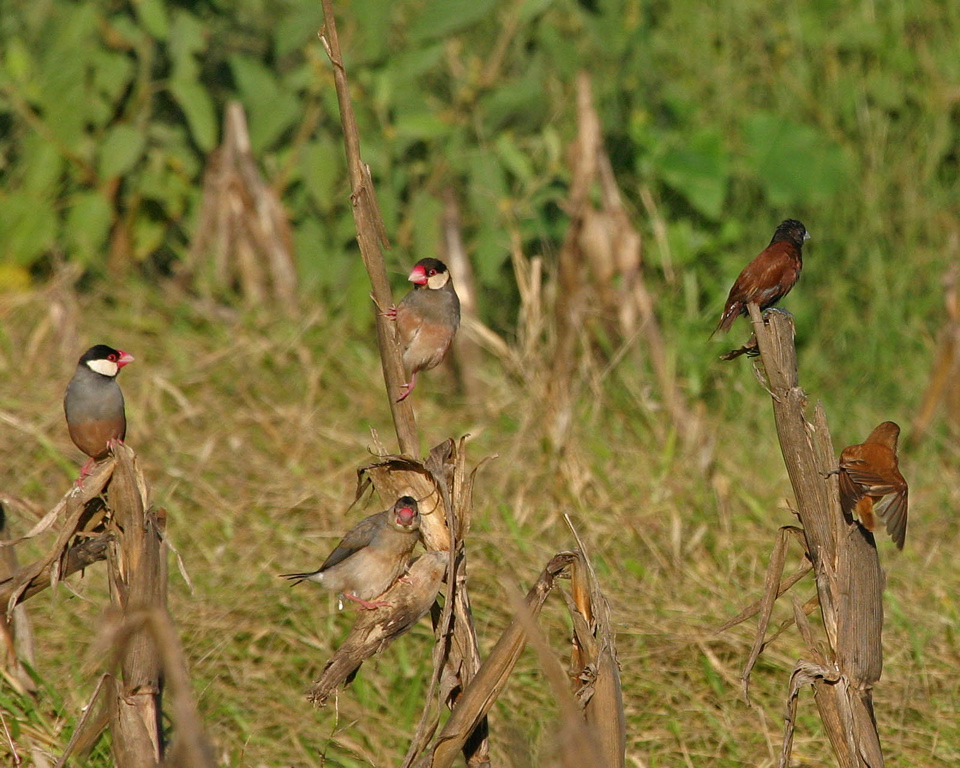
(765, 280)
(427, 321)
(870, 483)
(850, 492)
(356, 539)
(408, 323)
(893, 511)
(770, 276)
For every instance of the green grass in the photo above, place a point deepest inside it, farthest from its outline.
(250, 430)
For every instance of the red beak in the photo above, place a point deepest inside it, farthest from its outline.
(418, 276)
(405, 515)
(125, 357)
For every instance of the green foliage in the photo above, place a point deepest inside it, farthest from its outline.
(731, 117)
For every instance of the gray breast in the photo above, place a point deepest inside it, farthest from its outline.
(91, 396)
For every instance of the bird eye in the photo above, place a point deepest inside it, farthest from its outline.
(112, 357)
(431, 273)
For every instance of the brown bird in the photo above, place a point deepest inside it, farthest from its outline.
(870, 472)
(770, 276)
(372, 556)
(93, 403)
(427, 319)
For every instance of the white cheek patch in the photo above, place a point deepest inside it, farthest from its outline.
(103, 367)
(438, 280)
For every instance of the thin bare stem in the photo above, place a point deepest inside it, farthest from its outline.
(371, 238)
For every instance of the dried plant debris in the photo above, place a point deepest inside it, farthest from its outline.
(408, 600)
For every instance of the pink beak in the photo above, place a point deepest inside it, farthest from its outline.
(418, 276)
(405, 515)
(125, 357)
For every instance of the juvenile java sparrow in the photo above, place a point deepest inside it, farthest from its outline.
(427, 319)
(770, 276)
(372, 556)
(93, 403)
(868, 473)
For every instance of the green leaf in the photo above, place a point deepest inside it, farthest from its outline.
(188, 39)
(112, 74)
(411, 127)
(63, 99)
(490, 252)
(486, 192)
(28, 227)
(254, 80)
(89, 218)
(323, 171)
(42, 166)
(17, 61)
(530, 9)
(121, 149)
(372, 37)
(699, 170)
(441, 18)
(148, 236)
(153, 16)
(795, 164)
(426, 212)
(514, 159)
(189, 35)
(522, 103)
(198, 109)
(298, 28)
(271, 110)
(315, 262)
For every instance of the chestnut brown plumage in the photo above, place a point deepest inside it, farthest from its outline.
(427, 319)
(770, 276)
(372, 556)
(871, 484)
(93, 403)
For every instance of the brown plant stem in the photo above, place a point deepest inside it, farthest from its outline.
(845, 563)
(371, 238)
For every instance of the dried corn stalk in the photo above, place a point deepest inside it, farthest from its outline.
(849, 581)
(243, 240)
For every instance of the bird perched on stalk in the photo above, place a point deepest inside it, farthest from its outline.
(93, 403)
(372, 556)
(427, 319)
(871, 484)
(770, 276)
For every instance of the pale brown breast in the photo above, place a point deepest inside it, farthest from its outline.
(92, 437)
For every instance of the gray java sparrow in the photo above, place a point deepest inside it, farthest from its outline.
(427, 319)
(93, 403)
(372, 556)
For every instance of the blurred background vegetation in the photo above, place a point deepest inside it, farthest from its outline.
(721, 119)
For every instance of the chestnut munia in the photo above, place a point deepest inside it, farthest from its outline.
(871, 484)
(770, 276)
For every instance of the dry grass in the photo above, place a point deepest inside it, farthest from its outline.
(250, 429)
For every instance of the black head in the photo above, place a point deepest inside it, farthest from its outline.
(792, 231)
(429, 273)
(105, 360)
(101, 352)
(432, 266)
